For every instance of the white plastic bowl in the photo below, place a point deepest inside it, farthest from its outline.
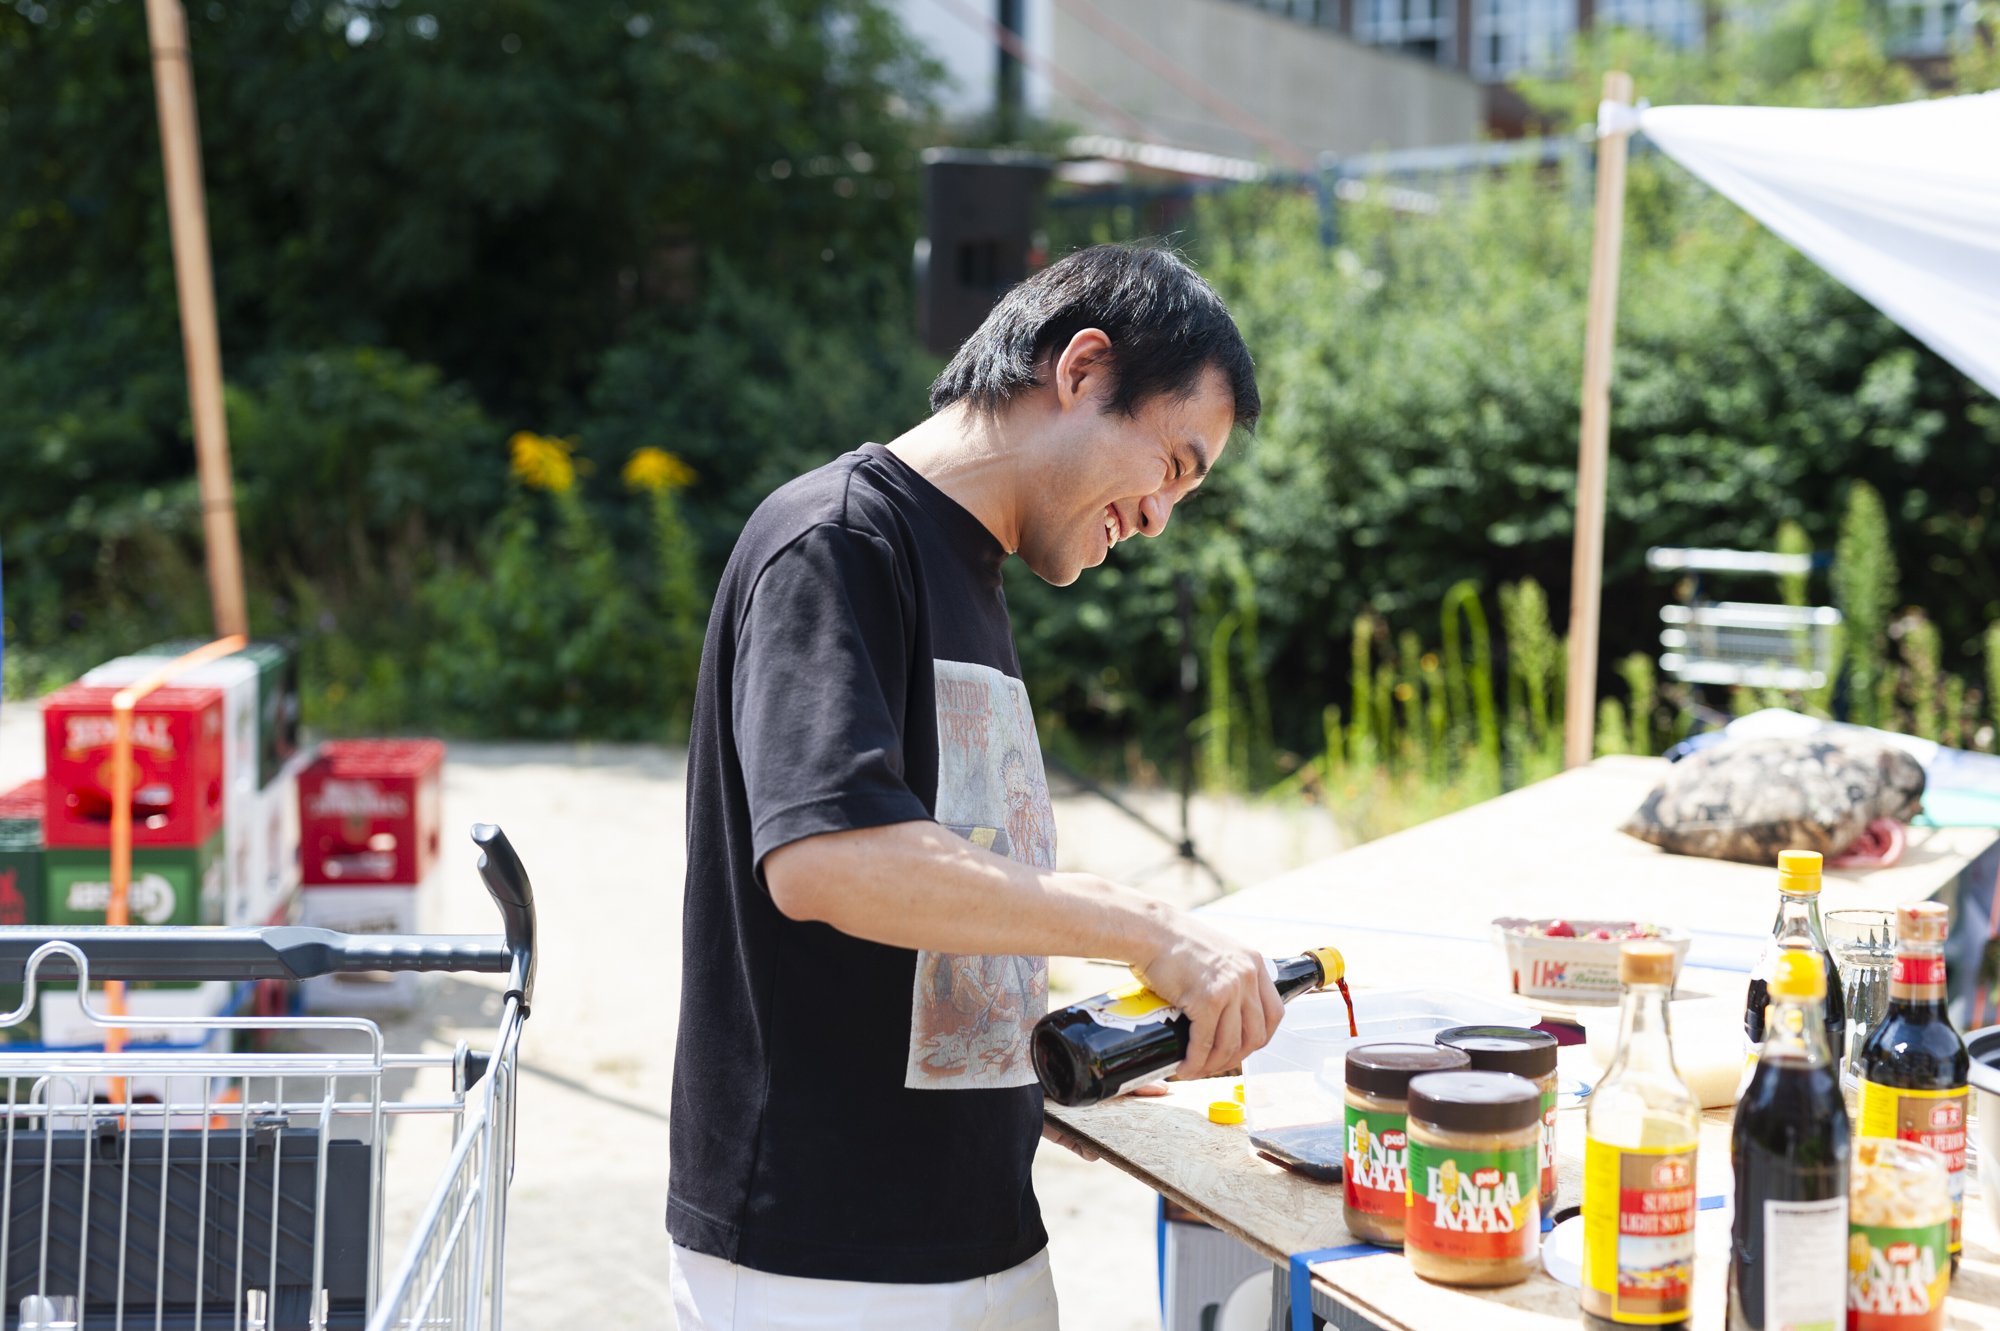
(1984, 1046)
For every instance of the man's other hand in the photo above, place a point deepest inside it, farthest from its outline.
(1225, 989)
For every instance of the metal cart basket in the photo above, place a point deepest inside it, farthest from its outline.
(198, 1189)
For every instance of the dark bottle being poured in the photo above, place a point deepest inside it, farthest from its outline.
(1797, 926)
(1091, 1051)
(1789, 1145)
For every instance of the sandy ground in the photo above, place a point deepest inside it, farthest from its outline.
(600, 830)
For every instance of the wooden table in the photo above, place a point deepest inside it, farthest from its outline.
(1415, 909)
(1169, 1144)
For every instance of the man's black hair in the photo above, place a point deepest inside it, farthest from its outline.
(1165, 323)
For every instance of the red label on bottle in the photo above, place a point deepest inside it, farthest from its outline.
(1918, 970)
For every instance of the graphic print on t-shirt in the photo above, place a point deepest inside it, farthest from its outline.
(970, 1016)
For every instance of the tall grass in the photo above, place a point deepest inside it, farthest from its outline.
(1423, 732)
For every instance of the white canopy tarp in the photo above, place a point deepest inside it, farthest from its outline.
(1901, 203)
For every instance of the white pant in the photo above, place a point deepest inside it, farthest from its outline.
(713, 1295)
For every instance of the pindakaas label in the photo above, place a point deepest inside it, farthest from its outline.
(1896, 1278)
(1482, 1204)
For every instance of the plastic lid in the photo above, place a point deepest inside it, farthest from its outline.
(1923, 922)
(1237, 1091)
(1386, 1069)
(1475, 1101)
(1798, 871)
(1798, 974)
(1643, 961)
(1517, 1049)
(1332, 965)
(1225, 1111)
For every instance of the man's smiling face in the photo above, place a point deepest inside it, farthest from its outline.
(1119, 476)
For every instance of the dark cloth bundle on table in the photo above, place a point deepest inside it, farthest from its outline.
(1749, 799)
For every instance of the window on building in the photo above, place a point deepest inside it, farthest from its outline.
(1512, 37)
(1680, 22)
(1925, 27)
(1427, 28)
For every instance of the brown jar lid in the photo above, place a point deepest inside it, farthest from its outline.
(1386, 1069)
(1923, 922)
(1644, 961)
(1516, 1049)
(1475, 1101)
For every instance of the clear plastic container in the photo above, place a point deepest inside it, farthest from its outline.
(1300, 1077)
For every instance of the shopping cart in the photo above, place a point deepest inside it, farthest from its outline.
(205, 1190)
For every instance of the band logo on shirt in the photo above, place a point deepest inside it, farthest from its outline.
(970, 1016)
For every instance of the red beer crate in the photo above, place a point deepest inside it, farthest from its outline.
(368, 812)
(176, 761)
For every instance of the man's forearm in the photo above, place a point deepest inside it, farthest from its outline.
(918, 885)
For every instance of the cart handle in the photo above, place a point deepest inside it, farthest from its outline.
(294, 952)
(273, 952)
(508, 883)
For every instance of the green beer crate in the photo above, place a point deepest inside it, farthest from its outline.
(21, 864)
(169, 885)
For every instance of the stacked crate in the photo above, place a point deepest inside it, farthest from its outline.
(369, 830)
(179, 801)
(260, 762)
(21, 861)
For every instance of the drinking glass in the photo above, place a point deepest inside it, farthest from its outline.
(1864, 949)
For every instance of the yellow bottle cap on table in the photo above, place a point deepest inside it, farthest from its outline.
(1239, 1092)
(1798, 871)
(1225, 1111)
(1798, 974)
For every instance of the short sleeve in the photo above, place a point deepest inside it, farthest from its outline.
(821, 690)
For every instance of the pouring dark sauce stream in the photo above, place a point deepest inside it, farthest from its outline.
(1348, 998)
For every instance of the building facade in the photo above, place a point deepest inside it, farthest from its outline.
(1270, 88)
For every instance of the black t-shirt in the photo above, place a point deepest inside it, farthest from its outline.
(843, 1109)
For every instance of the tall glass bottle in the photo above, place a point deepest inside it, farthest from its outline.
(1797, 926)
(1640, 1134)
(1913, 1065)
(1788, 1243)
(1093, 1050)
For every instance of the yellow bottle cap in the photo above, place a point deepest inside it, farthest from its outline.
(1225, 1111)
(1798, 974)
(1239, 1092)
(1331, 963)
(1798, 871)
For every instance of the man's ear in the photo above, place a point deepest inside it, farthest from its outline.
(1083, 368)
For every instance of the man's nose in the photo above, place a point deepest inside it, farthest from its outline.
(1154, 510)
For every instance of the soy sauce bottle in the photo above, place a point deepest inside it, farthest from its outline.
(1913, 1065)
(1093, 1050)
(1788, 1243)
(1797, 926)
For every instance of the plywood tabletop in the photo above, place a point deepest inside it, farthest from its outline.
(1417, 907)
(1169, 1144)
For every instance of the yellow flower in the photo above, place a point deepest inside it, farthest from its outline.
(542, 463)
(657, 470)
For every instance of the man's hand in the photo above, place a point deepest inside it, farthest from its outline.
(1224, 988)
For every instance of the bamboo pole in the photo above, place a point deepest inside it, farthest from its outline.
(1594, 436)
(180, 150)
